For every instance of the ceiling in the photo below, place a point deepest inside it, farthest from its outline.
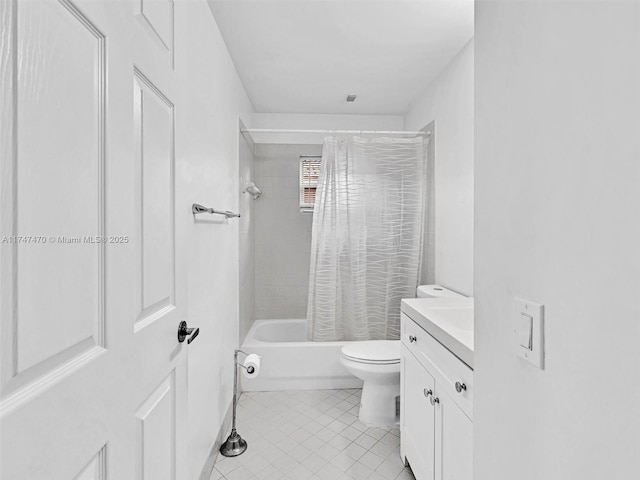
(306, 56)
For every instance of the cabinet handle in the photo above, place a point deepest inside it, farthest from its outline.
(427, 392)
(434, 400)
(460, 387)
(412, 339)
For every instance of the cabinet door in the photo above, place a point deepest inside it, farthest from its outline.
(453, 442)
(418, 417)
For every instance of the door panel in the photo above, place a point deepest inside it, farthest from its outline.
(154, 134)
(60, 268)
(454, 442)
(155, 17)
(96, 469)
(156, 417)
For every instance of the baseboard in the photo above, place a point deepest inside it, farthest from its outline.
(210, 462)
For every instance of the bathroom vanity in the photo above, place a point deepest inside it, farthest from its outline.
(436, 415)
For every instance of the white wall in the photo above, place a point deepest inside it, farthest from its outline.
(300, 121)
(557, 181)
(211, 100)
(449, 102)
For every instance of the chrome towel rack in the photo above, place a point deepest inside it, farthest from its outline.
(197, 208)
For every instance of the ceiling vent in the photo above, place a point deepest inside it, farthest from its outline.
(351, 98)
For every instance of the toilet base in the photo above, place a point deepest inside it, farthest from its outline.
(378, 404)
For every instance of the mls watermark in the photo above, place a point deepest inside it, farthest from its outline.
(64, 239)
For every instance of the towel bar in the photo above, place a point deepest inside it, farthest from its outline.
(197, 208)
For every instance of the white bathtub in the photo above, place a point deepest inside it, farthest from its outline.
(290, 362)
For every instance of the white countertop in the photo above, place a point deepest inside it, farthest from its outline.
(448, 320)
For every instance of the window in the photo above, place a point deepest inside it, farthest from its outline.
(309, 174)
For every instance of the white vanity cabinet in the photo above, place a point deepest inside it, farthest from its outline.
(436, 416)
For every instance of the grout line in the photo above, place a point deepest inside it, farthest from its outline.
(272, 419)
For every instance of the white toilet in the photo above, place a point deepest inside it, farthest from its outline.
(377, 363)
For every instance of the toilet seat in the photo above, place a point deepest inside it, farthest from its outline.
(374, 352)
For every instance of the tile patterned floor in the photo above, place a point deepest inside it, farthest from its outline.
(302, 435)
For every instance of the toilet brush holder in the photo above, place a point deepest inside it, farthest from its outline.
(235, 445)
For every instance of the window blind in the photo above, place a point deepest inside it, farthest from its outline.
(309, 175)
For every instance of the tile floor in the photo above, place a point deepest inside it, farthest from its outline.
(313, 434)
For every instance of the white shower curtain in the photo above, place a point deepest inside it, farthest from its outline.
(367, 238)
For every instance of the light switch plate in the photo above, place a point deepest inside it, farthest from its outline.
(528, 330)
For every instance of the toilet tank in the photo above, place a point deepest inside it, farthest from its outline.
(436, 291)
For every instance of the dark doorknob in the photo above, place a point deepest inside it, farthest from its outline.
(184, 332)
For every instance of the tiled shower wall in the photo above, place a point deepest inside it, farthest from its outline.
(282, 233)
(247, 304)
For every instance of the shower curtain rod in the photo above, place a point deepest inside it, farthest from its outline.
(286, 130)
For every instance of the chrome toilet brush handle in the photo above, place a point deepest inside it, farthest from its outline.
(235, 445)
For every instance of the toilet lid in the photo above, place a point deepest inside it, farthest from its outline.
(373, 351)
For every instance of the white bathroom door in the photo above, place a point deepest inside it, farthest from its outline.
(93, 377)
